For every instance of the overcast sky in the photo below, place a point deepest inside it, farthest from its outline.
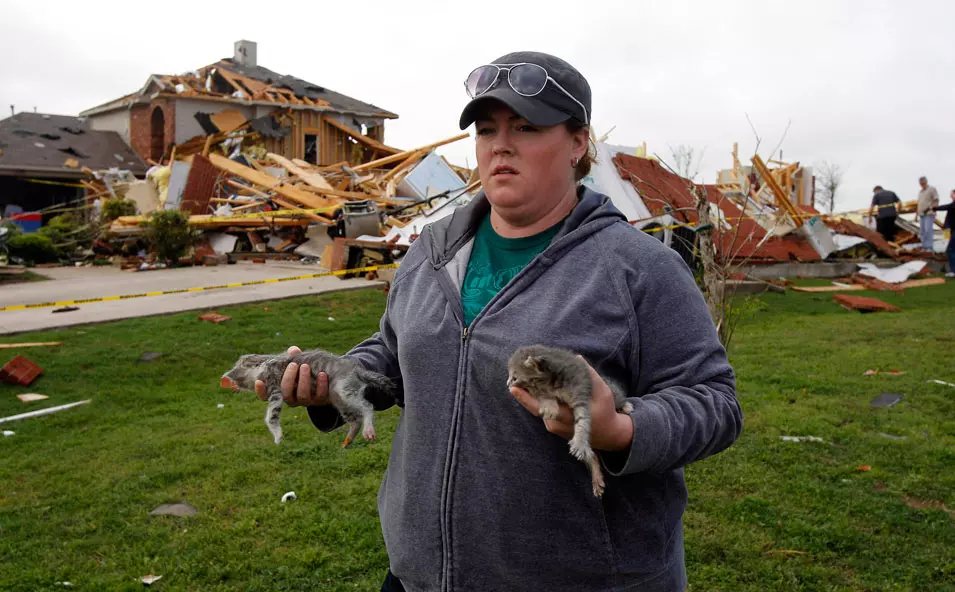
(867, 85)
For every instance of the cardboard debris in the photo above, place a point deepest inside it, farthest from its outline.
(29, 397)
(863, 304)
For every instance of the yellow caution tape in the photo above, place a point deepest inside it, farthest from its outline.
(309, 276)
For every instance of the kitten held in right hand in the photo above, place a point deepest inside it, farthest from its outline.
(554, 376)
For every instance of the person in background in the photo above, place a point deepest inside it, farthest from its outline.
(949, 225)
(928, 199)
(885, 201)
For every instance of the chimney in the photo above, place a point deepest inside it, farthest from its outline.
(245, 53)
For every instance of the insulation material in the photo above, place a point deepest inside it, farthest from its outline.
(892, 275)
(604, 178)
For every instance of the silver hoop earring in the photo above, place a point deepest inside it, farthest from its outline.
(573, 162)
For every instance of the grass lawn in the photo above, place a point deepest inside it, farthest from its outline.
(76, 487)
(22, 278)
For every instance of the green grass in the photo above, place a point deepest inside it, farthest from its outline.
(76, 487)
(21, 278)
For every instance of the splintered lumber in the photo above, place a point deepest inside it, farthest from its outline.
(407, 153)
(370, 142)
(315, 180)
(782, 200)
(269, 182)
(307, 214)
(411, 160)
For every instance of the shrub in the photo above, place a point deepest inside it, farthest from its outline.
(169, 234)
(114, 208)
(32, 248)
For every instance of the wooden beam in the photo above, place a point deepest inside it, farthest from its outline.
(403, 155)
(782, 200)
(370, 142)
(269, 182)
(411, 160)
(33, 344)
(313, 216)
(313, 179)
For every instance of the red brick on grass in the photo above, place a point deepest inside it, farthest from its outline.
(214, 318)
(20, 371)
(863, 304)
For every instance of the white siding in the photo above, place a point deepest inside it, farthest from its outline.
(114, 121)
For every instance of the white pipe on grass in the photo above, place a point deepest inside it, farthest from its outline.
(46, 411)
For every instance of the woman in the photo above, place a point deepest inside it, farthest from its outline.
(479, 493)
(949, 225)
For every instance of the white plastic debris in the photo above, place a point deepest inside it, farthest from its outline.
(290, 496)
(67, 584)
(8, 433)
(892, 275)
(149, 579)
(331, 319)
(220, 405)
(801, 439)
(942, 382)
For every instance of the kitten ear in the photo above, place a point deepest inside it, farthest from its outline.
(533, 363)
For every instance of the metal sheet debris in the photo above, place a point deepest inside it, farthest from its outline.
(886, 400)
(892, 275)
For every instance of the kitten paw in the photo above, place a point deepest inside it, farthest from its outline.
(627, 408)
(369, 434)
(579, 450)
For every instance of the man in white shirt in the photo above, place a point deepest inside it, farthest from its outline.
(928, 199)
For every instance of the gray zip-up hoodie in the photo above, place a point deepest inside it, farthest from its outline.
(477, 494)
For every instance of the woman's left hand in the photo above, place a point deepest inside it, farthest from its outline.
(609, 430)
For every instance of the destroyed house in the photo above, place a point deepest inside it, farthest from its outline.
(43, 157)
(236, 96)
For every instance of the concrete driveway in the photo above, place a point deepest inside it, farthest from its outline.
(68, 283)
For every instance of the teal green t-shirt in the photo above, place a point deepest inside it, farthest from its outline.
(495, 261)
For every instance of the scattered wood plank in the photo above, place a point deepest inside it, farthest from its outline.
(863, 304)
(403, 155)
(314, 179)
(46, 411)
(32, 344)
(269, 182)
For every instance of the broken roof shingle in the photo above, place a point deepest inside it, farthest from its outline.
(64, 137)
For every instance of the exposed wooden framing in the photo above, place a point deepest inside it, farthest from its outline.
(370, 142)
(782, 200)
(205, 147)
(251, 190)
(269, 182)
(315, 217)
(403, 155)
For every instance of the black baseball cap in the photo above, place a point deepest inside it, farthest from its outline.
(551, 106)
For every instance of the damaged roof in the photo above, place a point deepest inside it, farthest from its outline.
(744, 239)
(61, 145)
(227, 80)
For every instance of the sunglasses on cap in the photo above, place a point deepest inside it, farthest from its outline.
(527, 80)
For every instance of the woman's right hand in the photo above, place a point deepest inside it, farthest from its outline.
(297, 388)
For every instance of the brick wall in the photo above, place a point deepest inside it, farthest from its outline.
(140, 127)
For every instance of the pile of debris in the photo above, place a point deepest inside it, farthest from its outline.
(253, 204)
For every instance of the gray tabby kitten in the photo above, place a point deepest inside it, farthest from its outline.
(553, 375)
(348, 382)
